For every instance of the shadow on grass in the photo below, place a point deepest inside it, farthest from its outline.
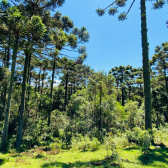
(2, 161)
(89, 150)
(91, 164)
(155, 155)
(132, 148)
(39, 156)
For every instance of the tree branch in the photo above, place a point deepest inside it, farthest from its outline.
(110, 5)
(130, 7)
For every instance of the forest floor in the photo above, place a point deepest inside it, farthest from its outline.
(129, 158)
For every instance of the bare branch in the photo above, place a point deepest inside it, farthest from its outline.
(130, 7)
(69, 49)
(110, 5)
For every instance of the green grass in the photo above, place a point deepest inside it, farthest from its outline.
(129, 158)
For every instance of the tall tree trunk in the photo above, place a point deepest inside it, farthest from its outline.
(7, 66)
(122, 96)
(118, 98)
(39, 88)
(42, 83)
(100, 114)
(66, 89)
(22, 105)
(146, 67)
(71, 88)
(166, 86)
(74, 88)
(122, 89)
(51, 93)
(3, 101)
(129, 88)
(28, 81)
(42, 89)
(39, 80)
(29, 69)
(36, 86)
(7, 115)
(6, 86)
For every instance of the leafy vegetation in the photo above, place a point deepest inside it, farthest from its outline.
(55, 111)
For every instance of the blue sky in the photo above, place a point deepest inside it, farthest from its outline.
(112, 42)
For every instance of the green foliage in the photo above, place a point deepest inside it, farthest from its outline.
(36, 27)
(158, 4)
(112, 11)
(84, 143)
(110, 147)
(145, 140)
(4, 5)
(134, 116)
(140, 137)
(56, 145)
(100, 12)
(120, 141)
(122, 17)
(4, 77)
(29, 142)
(160, 135)
(133, 136)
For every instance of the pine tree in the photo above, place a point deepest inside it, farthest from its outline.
(113, 9)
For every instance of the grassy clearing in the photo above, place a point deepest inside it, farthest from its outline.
(129, 158)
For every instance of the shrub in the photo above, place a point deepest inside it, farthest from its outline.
(120, 141)
(161, 135)
(144, 140)
(29, 142)
(84, 143)
(132, 135)
(56, 145)
(140, 137)
(110, 147)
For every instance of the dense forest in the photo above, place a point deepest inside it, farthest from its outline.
(50, 101)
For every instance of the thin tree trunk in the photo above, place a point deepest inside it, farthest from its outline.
(51, 93)
(7, 115)
(28, 81)
(36, 86)
(166, 91)
(146, 67)
(22, 105)
(66, 88)
(129, 92)
(5, 88)
(118, 99)
(122, 89)
(29, 68)
(122, 96)
(39, 80)
(71, 89)
(74, 88)
(100, 114)
(29, 94)
(42, 89)
(42, 84)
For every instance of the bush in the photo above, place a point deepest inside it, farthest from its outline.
(161, 135)
(145, 140)
(132, 135)
(120, 141)
(29, 142)
(84, 143)
(110, 147)
(56, 145)
(140, 137)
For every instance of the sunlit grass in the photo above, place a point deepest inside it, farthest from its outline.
(129, 158)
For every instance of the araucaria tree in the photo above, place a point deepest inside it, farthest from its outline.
(113, 9)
